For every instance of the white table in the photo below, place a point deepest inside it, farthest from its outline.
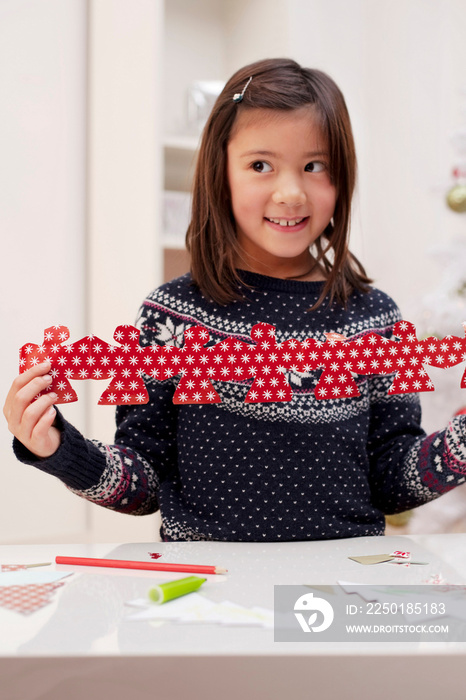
(81, 645)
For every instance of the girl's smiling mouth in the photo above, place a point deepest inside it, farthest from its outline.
(284, 224)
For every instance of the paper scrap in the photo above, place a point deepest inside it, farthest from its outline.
(195, 608)
(228, 613)
(397, 557)
(401, 555)
(372, 558)
(193, 604)
(26, 591)
(20, 567)
(435, 580)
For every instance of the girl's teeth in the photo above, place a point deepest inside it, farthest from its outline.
(285, 222)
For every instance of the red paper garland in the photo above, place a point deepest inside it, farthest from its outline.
(265, 361)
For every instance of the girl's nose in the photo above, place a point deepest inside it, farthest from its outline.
(289, 192)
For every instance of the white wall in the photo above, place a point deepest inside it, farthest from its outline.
(78, 214)
(124, 184)
(194, 31)
(42, 223)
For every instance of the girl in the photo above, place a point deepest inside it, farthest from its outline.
(269, 242)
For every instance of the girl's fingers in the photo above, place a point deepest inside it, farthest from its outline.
(34, 413)
(25, 377)
(30, 419)
(42, 426)
(22, 380)
(44, 438)
(18, 403)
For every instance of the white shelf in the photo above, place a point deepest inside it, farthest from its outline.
(182, 142)
(173, 243)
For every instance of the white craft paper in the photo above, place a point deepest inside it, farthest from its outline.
(30, 576)
(195, 608)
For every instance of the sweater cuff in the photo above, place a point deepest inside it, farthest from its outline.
(78, 463)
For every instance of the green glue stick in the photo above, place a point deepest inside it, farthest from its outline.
(174, 589)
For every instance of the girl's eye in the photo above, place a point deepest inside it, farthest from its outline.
(260, 166)
(314, 167)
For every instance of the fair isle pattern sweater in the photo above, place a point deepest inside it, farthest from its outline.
(300, 470)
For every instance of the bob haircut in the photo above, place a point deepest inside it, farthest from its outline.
(277, 84)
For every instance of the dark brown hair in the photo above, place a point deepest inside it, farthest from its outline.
(277, 84)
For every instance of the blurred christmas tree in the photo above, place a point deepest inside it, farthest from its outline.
(445, 307)
(443, 310)
(439, 313)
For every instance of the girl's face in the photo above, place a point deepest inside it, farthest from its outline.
(281, 194)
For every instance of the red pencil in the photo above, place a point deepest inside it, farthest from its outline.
(148, 565)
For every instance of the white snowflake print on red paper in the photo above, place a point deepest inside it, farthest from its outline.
(265, 361)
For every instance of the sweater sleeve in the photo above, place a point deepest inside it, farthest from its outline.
(126, 475)
(408, 467)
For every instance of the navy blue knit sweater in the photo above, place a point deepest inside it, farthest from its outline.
(299, 470)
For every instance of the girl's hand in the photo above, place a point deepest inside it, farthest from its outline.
(31, 422)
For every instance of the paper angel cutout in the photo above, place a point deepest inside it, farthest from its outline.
(91, 358)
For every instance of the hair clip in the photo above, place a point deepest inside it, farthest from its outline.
(238, 96)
